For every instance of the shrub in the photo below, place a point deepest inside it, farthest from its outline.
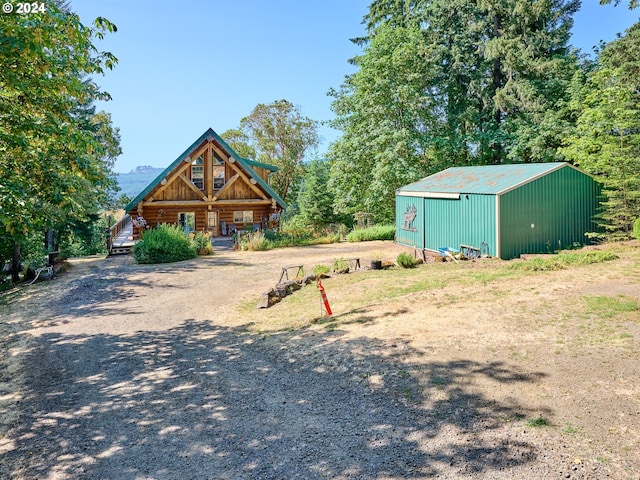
(340, 265)
(320, 270)
(379, 232)
(406, 261)
(636, 229)
(202, 244)
(257, 243)
(164, 244)
(298, 238)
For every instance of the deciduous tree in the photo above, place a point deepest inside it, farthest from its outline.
(281, 136)
(56, 153)
(388, 118)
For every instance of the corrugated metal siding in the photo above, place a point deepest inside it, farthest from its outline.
(411, 235)
(467, 221)
(560, 206)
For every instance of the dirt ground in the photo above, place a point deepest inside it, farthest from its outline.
(122, 371)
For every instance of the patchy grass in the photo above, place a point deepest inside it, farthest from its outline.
(357, 298)
(570, 429)
(538, 422)
(606, 306)
(563, 260)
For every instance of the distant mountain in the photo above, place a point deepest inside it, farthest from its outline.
(132, 183)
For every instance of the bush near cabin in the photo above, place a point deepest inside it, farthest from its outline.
(164, 244)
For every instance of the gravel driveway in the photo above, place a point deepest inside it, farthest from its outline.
(119, 371)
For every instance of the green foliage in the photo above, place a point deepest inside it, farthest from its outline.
(606, 306)
(56, 152)
(164, 244)
(449, 82)
(387, 119)
(256, 242)
(406, 261)
(319, 270)
(84, 238)
(340, 265)
(563, 260)
(281, 136)
(315, 200)
(239, 141)
(538, 422)
(606, 138)
(33, 253)
(632, 3)
(636, 229)
(289, 237)
(202, 244)
(379, 232)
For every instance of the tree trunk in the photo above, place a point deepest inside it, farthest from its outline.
(15, 263)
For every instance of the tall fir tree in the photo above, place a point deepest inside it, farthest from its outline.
(606, 139)
(487, 83)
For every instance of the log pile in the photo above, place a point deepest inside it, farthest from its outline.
(282, 289)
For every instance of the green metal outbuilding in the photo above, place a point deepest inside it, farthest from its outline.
(499, 210)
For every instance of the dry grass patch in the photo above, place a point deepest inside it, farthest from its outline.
(482, 286)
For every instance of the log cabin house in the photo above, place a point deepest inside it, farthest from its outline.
(209, 188)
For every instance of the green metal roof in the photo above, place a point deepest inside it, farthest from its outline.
(244, 162)
(485, 179)
(266, 166)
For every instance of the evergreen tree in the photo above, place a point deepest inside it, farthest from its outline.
(314, 199)
(606, 139)
(476, 82)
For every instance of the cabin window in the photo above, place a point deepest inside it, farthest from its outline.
(218, 177)
(218, 171)
(187, 221)
(243, 216)
(197, 172)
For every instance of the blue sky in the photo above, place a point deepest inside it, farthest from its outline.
(187, 66)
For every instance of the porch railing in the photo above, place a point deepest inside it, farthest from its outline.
(116, 229)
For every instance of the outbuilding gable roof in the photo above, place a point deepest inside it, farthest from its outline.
(245, 163)
(484, 179)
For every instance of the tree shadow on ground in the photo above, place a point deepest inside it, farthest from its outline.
(104, 285)
(203, 401)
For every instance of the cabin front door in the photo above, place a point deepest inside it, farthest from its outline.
(213, 224)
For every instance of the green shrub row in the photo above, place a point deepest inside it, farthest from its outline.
(379, 232)
(563, 260)
(299, 237)
(259, 241)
